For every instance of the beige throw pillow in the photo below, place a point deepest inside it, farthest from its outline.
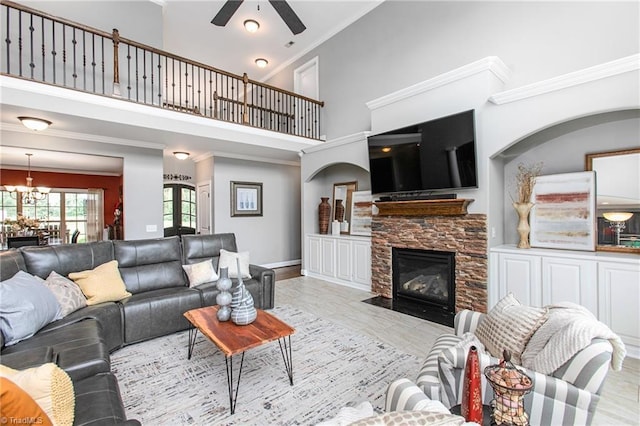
(200, 273)
(50, 387)
(228, 260)
(67, 293)
(101, 284)
(510, 325)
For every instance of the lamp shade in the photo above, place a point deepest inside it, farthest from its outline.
(617, 216)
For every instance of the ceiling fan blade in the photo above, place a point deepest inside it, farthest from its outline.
(288, 16)
(226, 12)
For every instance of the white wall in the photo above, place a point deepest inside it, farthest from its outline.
(401, 43)
(273, 238)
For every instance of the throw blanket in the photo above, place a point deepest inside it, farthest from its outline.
(569, 329)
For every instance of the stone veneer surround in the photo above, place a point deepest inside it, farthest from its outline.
(465, 235)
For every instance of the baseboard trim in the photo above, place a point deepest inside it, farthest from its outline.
(283, 264)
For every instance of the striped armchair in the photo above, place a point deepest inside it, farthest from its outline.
(566, 397)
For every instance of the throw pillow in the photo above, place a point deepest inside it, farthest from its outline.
(67, 293)
(101, 284)
(15, 403)
(348, 415)
(25, 307)
(228, 260)
(200, 273)
(49, 386)
(509, 325)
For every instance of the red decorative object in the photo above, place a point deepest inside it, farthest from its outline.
(324, 215)
(471, 407)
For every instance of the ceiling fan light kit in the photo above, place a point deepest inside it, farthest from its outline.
(281, 6)
(251, 25)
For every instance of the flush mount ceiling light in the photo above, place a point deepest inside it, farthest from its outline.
(261, 62)
(36, 124)
(181, 155)
(251, 25)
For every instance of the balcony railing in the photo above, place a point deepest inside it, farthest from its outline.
(47, 49)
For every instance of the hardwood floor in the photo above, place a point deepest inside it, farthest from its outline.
(620, 402)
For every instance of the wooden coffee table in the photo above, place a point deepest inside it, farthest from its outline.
(233, 339)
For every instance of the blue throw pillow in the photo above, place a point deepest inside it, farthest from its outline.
(26, 306)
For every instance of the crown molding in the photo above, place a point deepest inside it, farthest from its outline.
(235, 156)
(490, 63)
(343, 140)
(598, 72)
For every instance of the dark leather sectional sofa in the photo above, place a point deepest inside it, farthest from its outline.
(81, 342)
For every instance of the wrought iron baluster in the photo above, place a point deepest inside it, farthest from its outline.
(137, 79)
(19, 43)
(64, 55)
(144, 75)
(43, 57)
(93, 61)
(128, 71)
(53, 51)
(102, 65)
(84, 60)
(32, 64)
(74, 42)
(7, 40)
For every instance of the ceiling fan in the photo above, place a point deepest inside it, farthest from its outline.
(281, 6)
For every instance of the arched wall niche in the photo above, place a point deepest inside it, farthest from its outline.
(561, 148)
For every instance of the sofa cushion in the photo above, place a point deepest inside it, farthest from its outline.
(150, 264)
(25, 307)
(11, 261)
(509, 325)
(101, 284)
(98, 401)
(16, 403)
(67, 293)
(66, 258)
(200, 273)
(230, 259)
(49, 386)
(399, 418)
(197, 248)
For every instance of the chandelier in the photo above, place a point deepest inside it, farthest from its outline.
(30, 194)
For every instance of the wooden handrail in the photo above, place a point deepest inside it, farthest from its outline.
(272, 91)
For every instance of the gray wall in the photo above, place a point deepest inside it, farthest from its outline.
(274, 237)
(562, 149)
(401, 43)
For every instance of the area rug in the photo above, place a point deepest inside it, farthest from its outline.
(333, 366)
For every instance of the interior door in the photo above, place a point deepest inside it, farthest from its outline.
(305, 79)
(204, 208)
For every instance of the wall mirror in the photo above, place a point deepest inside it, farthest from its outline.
(617, 198)
(342, 193)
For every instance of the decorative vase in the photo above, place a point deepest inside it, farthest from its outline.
(339, 211)
(224, 297)
(324, 214)
(471, 406)
(243, 312)
(523, 228)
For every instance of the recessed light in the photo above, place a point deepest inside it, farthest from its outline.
(251, 25)
(261, 62)
(386, 149)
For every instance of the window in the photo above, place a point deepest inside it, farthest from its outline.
(179, 209)
(60, 212)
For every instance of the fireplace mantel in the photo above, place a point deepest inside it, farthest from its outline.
(445, 207)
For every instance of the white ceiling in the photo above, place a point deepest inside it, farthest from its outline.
(189, 33)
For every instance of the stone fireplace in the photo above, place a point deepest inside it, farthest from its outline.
(463, 235)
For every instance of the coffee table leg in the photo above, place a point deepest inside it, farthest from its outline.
(285, 349)
(233, 398)
(193, 332)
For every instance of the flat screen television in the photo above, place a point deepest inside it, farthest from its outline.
(429, 157)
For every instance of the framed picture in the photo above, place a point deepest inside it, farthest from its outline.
(563, 214)
(246, 199)
(361, 212)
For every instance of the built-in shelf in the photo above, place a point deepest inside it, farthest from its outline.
(453, 207)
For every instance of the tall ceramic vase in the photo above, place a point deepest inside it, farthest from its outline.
(471, 406)
(242, 310)
(523, 228)
(324, 215)
(339, 211)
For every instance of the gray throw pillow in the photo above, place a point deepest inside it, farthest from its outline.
(68, 294)
(26, 306)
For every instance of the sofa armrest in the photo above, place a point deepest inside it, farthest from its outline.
(404, 395)
(467, 321)
(267, 279)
